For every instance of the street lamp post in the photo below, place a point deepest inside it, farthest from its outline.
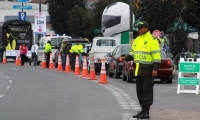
(131, 22)
(40, 9)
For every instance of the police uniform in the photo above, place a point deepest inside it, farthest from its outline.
(146, 53)
(74, 52)
(48, 51)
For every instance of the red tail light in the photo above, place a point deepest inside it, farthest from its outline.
(168, 63)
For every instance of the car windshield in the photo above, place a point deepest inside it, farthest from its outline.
(126, 49)
(163, 54)
(106, 42)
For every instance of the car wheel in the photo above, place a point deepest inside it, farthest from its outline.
(129, 79)
(123, 76)
(109, 73)
(38, 63)
(162, 80)
(117, 75)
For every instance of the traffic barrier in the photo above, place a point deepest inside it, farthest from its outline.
(77, 67)
(51, 62)
(85, 70)
(92, 70)
(103, 77)
(67, 68)
(43, 61)
(59, 63)
(17, 59)
(4, 58)
(189, 66)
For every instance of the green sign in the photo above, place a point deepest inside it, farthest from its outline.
(190, 67)
(188, 81)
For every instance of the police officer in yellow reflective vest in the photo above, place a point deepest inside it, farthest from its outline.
(48, 51)
(74, 51)
(146, 54)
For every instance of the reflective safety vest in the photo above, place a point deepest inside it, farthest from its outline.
(80, 49)
(48, 48)
(146, 51)
(74, 49)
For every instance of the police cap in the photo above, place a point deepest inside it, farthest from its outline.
(143, 24)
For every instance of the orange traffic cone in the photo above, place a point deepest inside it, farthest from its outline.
(67, 68)
(77, 68)
(43, 61)
(92, 70)
(17, 59)
(103, 78)
(4, 58)
(51, 63)
(85, 71)
(59, 63)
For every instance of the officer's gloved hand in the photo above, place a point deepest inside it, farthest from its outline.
(128, 58)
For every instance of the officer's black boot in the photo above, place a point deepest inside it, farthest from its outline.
(138, 115)
(145, 114)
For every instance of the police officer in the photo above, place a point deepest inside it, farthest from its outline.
(74, 52)
(48, 51)
(64, 51)
(81, 53)
(146, 53)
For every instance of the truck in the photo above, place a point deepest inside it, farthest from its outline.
(55, 42)
(12, 34)
(100, 47)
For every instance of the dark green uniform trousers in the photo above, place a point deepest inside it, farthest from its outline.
(144, 88)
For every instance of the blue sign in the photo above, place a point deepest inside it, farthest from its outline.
(22, 7)
(23, 0)
(22, 16)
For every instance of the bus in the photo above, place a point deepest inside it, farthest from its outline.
(12, 34)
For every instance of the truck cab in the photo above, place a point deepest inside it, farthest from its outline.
(100, 47)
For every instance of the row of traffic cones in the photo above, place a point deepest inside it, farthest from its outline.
(92, 74)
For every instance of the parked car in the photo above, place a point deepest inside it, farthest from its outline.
(115, 65)
(165, 72)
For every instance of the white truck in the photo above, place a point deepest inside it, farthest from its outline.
(55, 42)
(100, 47)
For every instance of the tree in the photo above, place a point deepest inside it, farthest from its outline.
(190, 13)
(58, 10)
(160, 14)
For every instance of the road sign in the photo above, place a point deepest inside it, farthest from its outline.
(22, 7)
(188, 81)
(23, 1)
(190, 67)
(22, 15)
(40, 23)
(156, 33)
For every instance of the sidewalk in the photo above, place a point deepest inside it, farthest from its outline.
(160, 114)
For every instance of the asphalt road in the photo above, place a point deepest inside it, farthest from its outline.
(32, 93)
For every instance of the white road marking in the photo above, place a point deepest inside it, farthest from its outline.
(1, 96)
(7, 77)
(15, 69)
(10, 81)
(8, 87)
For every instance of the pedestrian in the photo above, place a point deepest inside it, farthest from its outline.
(64, 50)
(146, 53)
(48, 51)
(81, 53)
(23, 52)
(34, 54)
(166, 47)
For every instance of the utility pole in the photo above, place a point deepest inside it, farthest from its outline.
(40, 9)
(131, 22)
